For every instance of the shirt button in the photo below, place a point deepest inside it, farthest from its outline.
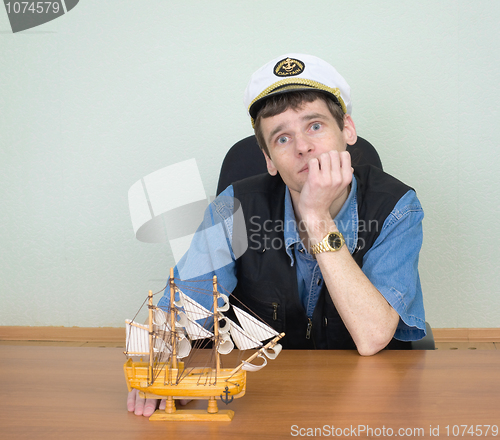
(319, 281)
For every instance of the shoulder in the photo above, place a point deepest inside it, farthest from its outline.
(222, 207)
(378, 193)
(373, 180)
(407, 213)
(262, 195)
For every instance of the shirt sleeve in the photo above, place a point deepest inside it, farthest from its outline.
(392, 266)
(210, 253)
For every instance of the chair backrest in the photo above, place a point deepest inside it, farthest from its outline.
(245, 159)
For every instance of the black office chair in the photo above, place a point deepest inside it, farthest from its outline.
(245, 159)
(427, 342)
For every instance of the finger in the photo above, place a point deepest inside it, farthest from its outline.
(163, 404)
(149, 407)
(345, 159)
(313, 173)
(313, 165)
(139, 405)
(345, 167)
(131, 400)
(184, 401)
(326, 161)
(335, 165)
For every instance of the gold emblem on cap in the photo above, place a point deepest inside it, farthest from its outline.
(289, 67)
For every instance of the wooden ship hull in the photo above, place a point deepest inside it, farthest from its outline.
(197, 383)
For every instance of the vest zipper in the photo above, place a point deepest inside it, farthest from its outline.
(309, 328)
(275, 311)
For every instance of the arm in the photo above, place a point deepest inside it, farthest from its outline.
(370, 319)
(392, 266)
(367, 315)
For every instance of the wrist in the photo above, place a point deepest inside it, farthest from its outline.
(332, 242)
(317, 228)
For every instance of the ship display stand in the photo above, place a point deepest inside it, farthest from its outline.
(168, 345)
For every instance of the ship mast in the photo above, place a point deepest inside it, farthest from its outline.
(172, 319)
(216, 330)
(150, 308)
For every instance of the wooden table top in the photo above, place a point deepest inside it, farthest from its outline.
(80, 393)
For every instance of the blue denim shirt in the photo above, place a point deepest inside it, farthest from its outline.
(391, 264)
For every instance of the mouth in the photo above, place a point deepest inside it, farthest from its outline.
(304, 169)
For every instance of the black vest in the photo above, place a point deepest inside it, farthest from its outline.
(267, 284)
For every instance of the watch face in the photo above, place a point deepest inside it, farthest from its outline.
(334, 241)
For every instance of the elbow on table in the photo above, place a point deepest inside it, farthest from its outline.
(369, 350)
(373, 346)
(376, 337)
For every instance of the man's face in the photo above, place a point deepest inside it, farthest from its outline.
(294, 137)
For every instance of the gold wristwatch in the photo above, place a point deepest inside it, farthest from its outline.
(332, 242)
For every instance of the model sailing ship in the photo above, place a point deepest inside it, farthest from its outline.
(171, 335)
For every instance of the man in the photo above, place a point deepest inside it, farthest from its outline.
(333, 254)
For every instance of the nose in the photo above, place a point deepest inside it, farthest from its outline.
(303, 145)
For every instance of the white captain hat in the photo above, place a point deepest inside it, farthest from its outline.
(292, 72)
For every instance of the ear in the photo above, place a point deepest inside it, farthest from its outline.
(349, 131)
(271, 169)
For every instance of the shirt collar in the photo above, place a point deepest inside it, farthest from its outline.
(346, 221)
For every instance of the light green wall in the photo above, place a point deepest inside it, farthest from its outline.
(114, 90)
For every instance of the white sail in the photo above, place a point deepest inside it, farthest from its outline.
(193, 329)
(226, 344)
(272, 353)
(159, 317)
(247, 366)
(138, 342)
(227, 325)
(183, 347)
(224, 307)
(137, 338)
(179, 303)
(161, 349)
(254, 327)
(160, 345)
(194, 310)
(242, 340)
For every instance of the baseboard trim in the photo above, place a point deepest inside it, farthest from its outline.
(117, 334)
(73, 334)
(466, 334)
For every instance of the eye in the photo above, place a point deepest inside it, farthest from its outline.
(316, 126)
(282, 140)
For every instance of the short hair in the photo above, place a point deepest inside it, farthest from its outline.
(277, 104)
